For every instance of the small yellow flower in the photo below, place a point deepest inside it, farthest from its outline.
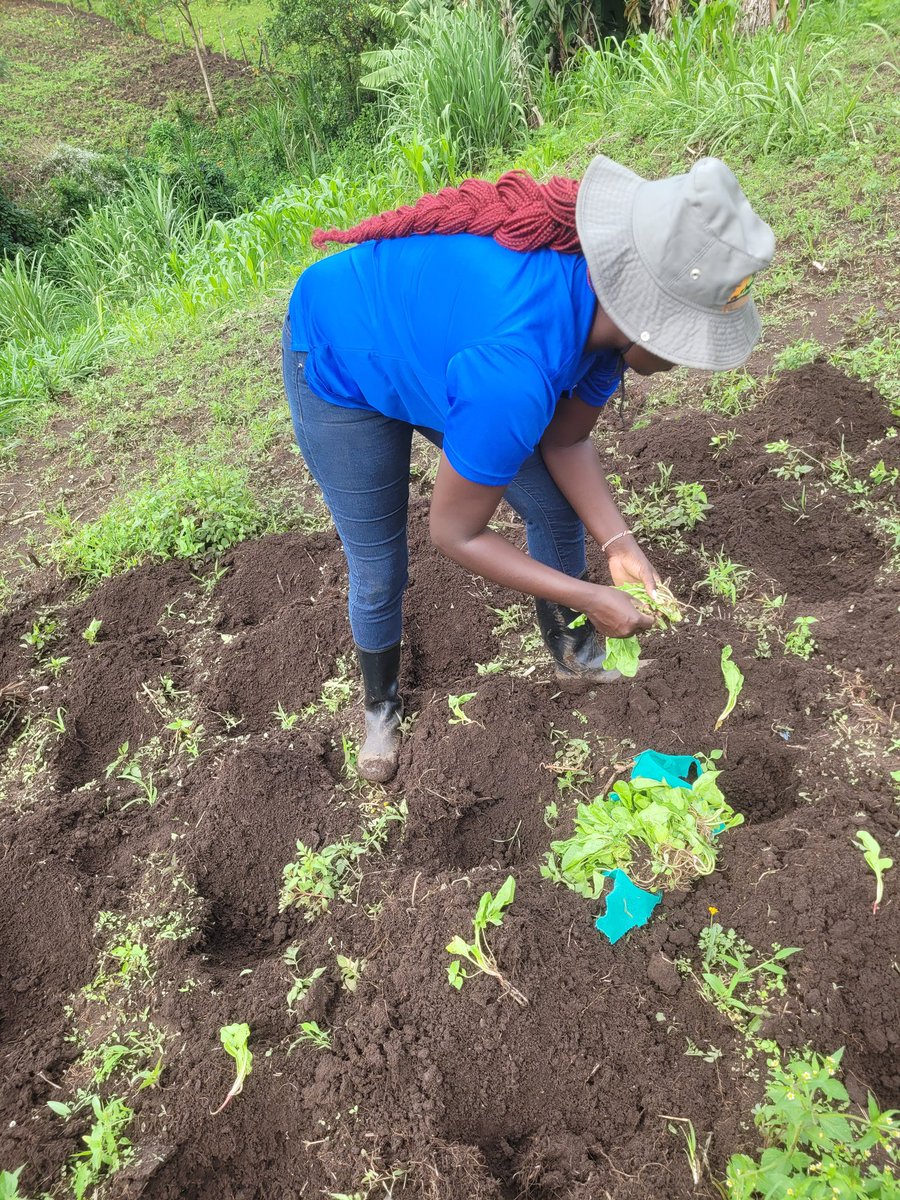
(790, 1095)
(712, 910)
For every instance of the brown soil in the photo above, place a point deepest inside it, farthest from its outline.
(468, 1093)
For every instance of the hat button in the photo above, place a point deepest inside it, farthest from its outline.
(645, 336)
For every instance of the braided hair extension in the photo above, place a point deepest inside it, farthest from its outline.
(516, 211)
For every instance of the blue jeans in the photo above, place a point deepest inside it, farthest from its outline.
(360, 460)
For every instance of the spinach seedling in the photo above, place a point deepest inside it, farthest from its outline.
(234, 1038)
(872, 854)
(455, 704)
(623, 654)
(489, 912)
(734, 681)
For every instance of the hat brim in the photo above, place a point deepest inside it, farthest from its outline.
(670, 328)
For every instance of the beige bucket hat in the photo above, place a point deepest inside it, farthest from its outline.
(672, 260)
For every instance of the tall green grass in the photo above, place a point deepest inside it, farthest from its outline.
(714, 88)
(451, 78)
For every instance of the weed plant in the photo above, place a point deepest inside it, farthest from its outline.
(733, 982)
(189, 511)
(819, 1147)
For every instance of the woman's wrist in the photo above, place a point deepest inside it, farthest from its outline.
(615, 540)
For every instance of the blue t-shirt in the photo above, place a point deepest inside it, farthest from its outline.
(455, 333)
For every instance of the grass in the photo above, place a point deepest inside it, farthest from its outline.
(220, 23)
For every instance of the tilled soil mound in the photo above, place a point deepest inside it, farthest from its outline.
(424, 1090)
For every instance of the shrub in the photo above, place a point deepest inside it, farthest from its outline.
(189, 512)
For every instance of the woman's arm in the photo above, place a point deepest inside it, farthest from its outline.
(574, 464)
(460, 512)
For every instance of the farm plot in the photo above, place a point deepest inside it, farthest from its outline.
(187, 847)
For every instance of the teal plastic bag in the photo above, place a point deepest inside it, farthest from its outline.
(627, 906)
(673, 769)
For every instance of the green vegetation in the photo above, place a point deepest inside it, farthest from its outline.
(734, 682)
(491, 910)
(876, 863)
(666, 509)
(661, 836)
(455, 704)
(736, 984)
(817, 1145)
(799, 640)
(316, 877)
(235, 1039)
(188, 512)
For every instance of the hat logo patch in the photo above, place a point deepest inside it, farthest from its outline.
(739, 296)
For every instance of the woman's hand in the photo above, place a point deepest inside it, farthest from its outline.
(612, 613)
(629, 564)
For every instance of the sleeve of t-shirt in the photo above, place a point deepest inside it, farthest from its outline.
(601, 381)
(500, 403)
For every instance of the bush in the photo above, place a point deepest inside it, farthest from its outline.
(324, 39)
(19, 229)
(71, 180)
(189, 512)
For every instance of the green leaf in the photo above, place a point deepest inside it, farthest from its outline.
(623, 655)
(61, 1110)
(734, 682)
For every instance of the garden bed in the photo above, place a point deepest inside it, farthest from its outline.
(458, 1094)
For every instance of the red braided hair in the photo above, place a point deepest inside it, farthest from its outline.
(516, 211)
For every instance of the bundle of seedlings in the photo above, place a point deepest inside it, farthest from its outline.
(662, 837)
(624, 654)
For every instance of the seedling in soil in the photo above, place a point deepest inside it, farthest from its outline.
(186, 736)
(872, 854)
(736, 987)
(455, 703)
(58, 721)
(510, 619)
(92, 631)
(570, 762)
(337, 692)
(235, 1038)
(311, 1031)
(285, 719)
(793, 466)
(39, 636)
(551, 814)
(721, 442)
(660, 835)
(696, 1154)
(725, 578)
(301, 984)
(107, 1148)
(316, 877)
(149, 792)
(667, 509)
(817, 1145)
(799, 640)
(734, 682)
(350, 969)
(55, 665)
(490, 911)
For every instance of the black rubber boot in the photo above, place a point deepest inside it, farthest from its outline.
(578, 653)
(380, 751)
